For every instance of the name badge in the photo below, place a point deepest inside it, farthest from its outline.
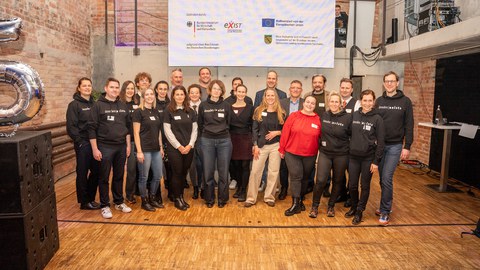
(135, 106)
(264, 114)
(324, 143)
(321, 104)
(314, 126)
(152, 118)
(111, 118)
(367, 127)
(177, 117)
(348, 110)
(221, 115)
(235, 111)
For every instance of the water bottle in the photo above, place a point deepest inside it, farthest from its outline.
(439, 117)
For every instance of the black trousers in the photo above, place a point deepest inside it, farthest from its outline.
(180, 165)
(299, 169)
(283, 174)
(86, 183)
(240, 171)
(112, 156)
(324, 165)
(357, 168)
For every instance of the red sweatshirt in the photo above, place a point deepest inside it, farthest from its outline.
(300, 134)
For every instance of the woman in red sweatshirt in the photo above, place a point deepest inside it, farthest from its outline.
(299, 147)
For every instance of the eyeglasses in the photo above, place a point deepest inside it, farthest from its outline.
(391, 81)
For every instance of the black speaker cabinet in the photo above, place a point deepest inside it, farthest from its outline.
(26, 176)
(29, 241)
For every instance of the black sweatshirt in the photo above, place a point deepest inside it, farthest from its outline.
(132, 106)
(397, 114)
(242, 123)
(260, 129)
(214, 119)
(368, 134)
(110, 122)
(336, 130)
(78, 115)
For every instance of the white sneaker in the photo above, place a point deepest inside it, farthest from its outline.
(106, 212)
(233, 184)
(123, 207)
(262, 186)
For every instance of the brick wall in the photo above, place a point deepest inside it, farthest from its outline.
(55, 41)
(421, 91)
(152, 22)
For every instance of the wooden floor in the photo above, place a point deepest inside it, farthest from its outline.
(424, 234)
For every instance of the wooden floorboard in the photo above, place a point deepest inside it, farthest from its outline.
(424, 234)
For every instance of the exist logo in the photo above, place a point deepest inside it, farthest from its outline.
(233, 27)
(189, 23)
(268, 22)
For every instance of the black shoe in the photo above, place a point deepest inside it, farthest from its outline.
(156, 201)
(95, 204)
(221, 204)
(357, 218)
(170, 197)
(295, 208)
(237, 193)
(184, 202)
(202, 194)
(326, 193)
(351, 212)
(146, 205)
(130, 199)
(210, 204)
(283, 193)
(342, 198)
(89, 206)
(179, 204)
(195, 193)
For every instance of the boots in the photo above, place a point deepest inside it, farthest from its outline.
(179, 204)
(302, 206)
(314, 211)
(184, 202)
(283, 193)
(195, 193)
(146, 205)
(295, 208)
(156, 201)
(357, 218)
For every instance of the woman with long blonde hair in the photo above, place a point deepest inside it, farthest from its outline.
(268, 120)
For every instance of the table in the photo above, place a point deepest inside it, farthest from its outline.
(447, 141)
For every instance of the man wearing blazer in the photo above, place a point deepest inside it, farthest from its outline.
(289, 105)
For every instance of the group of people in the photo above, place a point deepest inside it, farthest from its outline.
(171, 131)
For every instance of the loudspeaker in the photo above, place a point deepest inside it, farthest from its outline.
(29, 241)
(26, 177)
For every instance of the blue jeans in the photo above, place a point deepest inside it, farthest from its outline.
(219, 152)
(386, 168)
(152, 160)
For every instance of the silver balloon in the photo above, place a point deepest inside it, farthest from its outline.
(10, 29)
(30, 94)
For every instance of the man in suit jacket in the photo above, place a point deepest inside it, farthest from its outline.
(289, 105)
(349, 103)
(272, 80)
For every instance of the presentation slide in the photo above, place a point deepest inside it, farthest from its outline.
(280, 33)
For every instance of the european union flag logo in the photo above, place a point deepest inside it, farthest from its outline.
(268, 22)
